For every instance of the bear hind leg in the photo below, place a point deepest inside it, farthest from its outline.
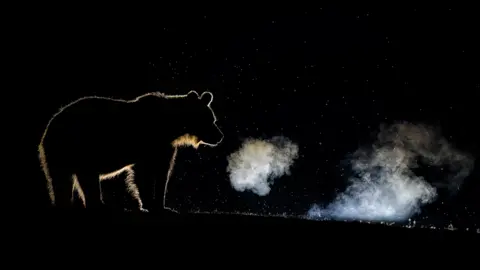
(78, 195)
(62, 183)
(133, 189)
(92, 192)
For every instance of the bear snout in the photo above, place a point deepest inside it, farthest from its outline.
(215, 137)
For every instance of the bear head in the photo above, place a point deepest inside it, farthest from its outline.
(201, 121)
(188, 120)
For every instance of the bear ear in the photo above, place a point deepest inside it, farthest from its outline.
(193, 94)
(207, 98)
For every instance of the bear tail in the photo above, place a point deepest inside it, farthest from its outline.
(46, 172)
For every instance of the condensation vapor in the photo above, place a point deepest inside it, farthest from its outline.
(257, 163)
(385, 188)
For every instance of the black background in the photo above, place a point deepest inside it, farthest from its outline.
(325, 77)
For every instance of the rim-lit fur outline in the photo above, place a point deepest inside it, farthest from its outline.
(41, 150)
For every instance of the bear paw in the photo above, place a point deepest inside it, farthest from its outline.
(143, 210)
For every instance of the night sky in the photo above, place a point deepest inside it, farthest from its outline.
(325, 78)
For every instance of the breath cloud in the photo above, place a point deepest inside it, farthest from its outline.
(385, 188)
(258, 163)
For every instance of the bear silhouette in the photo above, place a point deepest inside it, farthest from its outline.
(97, 138)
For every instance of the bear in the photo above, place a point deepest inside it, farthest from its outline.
(96, 138)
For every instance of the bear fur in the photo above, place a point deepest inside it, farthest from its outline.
(95, 138)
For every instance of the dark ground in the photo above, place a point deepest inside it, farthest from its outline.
(237, 232)
(416, 62)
